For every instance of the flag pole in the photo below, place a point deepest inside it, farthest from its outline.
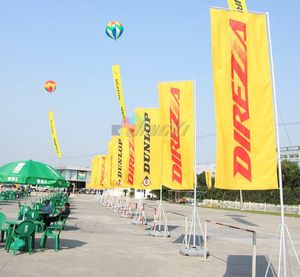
(282, 227)
(159, 220)
(194, 248)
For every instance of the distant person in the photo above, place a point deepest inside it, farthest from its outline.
(64, 213)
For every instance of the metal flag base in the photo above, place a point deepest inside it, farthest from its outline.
(283, 251)
(193, 251)
(192, 245)
(159, 218)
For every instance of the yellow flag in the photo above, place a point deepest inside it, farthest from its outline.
(108, 168)
(102, 171)
(131, 161)
(53, 134)
(119, 163)
(239, 5)
(148, 146)
(94, 181)
(177, 120)
(118, 88)
(246, 151)
(208, 179)
(124, 142)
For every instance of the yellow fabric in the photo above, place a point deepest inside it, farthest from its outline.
(177, 115)
(94, 181)
(108, 168)
(124, 152)
(208, 179)
(131, 159)
(119, 163)
(118, 88)
(239, 5)
(246, 151)
(54, 135)
(148, 143)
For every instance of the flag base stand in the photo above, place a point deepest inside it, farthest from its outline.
(192, 245)
(159, 218)
(140, 218)
(282, 235)
(193, 251)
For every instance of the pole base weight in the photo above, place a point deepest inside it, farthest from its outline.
(194, 251)
(160, 234)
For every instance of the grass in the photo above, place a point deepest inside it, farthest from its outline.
(253, 212)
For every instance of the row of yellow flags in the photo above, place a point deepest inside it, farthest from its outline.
(159, 150)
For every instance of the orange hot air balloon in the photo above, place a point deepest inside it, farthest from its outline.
(50, 86)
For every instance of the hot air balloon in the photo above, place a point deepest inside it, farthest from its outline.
(114, 29)
(50, 86)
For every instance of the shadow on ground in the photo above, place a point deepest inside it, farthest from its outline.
(71, 228)
(181, 238)
(64, 244)
(241, 266)
(162, 227)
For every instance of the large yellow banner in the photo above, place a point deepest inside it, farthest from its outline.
(102, 159)
(246, 151)
(54, 135)
(119, 162)
(238, 5)
(108, 168)
(131, 161)
(177, 120)
(94, 181)
(148, 147)
(119, 88)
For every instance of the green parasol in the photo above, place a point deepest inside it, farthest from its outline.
(32, 173)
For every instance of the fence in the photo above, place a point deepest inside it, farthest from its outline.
(250, 206)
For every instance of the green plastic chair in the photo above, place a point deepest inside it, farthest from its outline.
(23, 232)
(38, 206)
(23, 211)
(52, 232)
(36, 218)
(3, 227)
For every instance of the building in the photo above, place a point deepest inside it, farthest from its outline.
(77, 176)
(291, 154)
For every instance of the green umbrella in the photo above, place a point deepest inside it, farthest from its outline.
(32, 173)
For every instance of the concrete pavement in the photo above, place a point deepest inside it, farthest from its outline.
(98, 242)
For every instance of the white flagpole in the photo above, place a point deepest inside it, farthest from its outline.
(186, 248)
(283, 227)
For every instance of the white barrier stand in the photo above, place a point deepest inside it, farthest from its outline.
(117, 205)
(140, 217)
(159, 220)
(253, 269)
(126, 207)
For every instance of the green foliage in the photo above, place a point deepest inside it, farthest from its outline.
(291, 189)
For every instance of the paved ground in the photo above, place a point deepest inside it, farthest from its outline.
(100, 243)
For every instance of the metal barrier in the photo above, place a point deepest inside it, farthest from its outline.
(237, 228)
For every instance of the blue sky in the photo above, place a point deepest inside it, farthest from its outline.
(163, 40)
